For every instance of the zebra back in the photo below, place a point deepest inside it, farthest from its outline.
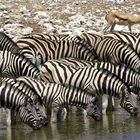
(23, 87)
(129, 38)
(128, 75)
(118, 52)
(48, 36)
(35, 84)
(92, 39)
(88, 78)
(54, 50)
(11, 97)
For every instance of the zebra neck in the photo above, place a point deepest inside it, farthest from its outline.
(10, 97)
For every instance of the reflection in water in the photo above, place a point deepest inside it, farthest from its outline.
(114, 126)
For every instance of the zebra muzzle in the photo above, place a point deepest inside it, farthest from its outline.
(44, 121)
(134, 112)
(36, 125)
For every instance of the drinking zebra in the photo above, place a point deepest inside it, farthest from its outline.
(91, 79)
(13, 98)
(27, 90)
(128, 75)
(57, 96)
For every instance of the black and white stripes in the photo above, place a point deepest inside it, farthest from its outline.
(16, 65)
(13, 98)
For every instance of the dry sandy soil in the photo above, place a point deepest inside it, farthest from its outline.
(32, 16)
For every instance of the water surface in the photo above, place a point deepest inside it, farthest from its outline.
(118, 125)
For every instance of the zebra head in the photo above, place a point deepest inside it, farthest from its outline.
(93, 109)
(41, 112)
(29, 115)
(126, 103)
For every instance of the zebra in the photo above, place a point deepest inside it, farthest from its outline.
(92, 39)
(7, 44)
(13, 98)
(128, 75)
(28, 53)
(108, 49)
(54, 50)
(129, 38)
(136, 34)
(93, 80)
(27, 90)
(16, 65)
(116, 51)
(48, 36)
(57, 96)
(112, 50)
(57, 37)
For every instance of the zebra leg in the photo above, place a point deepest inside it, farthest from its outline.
(54, 113)
(8, 117)
(110, 106)
(11, 117)
(104, 103)
(62, 114)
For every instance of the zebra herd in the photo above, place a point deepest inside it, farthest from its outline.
(45, 73)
